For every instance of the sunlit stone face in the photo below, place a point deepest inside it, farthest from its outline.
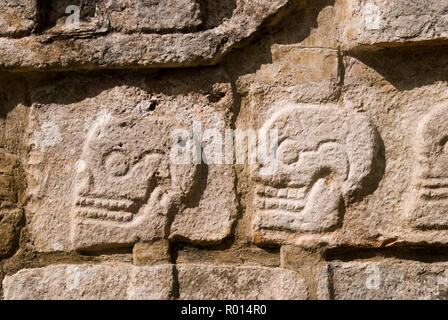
(324, 154)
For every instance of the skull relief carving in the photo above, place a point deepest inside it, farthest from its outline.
(325, 155)
(126, 187)
(430, 205)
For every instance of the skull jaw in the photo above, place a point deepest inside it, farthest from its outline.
(321, 212)
(149, 223)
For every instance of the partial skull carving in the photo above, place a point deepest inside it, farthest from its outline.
(430, 205)
(11, 198)
(126, 187)
(325, 154)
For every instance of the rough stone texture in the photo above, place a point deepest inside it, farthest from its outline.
(384, 23)
(325, 155)
(90, 282)
(156, 49)
(90, 175)
(389, 279)
(18, 17)
(200, 282)
(11, 190)
(151, 253)
(90, 194)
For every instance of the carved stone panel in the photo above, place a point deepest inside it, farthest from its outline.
(429, 203)
(11, 192)
(326, 157)
(126, 187)
(99, 169)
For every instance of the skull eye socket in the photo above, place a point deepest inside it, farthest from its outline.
(288, 153)
(116, 164)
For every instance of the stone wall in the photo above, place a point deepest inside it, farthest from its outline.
(92, 205)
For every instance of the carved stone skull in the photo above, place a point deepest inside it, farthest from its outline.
(325, 154)
(126, 185)
(430, 197)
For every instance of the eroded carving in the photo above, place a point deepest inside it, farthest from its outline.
(325, 155)
(430, 197)
(126, 188)
(11, 193)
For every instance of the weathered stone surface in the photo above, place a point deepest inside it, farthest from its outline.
(154, 16)
(11, 192)
(90, 282)
(430, 205)
(151, 253)
(389, 279)
(100, 168)
(199, 282)
(383, 23)
(358, 90)
(325, 155)
(17, 17)
(151, 50)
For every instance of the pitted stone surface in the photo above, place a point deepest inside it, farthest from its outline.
(100, 173)
(199, 282)
(324, 154)
(90, 282)
(93, 207)
(389, 279)
(18, 17)
(429, 208)
(383, 23)
(163, 46)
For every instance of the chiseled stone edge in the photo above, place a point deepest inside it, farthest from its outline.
(116, 50)
(62, 282)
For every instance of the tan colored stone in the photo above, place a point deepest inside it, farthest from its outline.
(90, 282)
(389, 279)
(151, 253)
(11, 191)
(200, 282)
(17, 17)
(84, 47)
(325, 157)
(99, 170)
(429, 208)
(310, 264)
(383, 23)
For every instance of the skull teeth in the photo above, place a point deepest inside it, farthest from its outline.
(276, 203)
(110, 204)
(284, 193)
(436, 193)
(92, 213)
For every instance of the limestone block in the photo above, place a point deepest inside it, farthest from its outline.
(17, 17)
(383, 23)
(100, 172)
(151, 253)
(154, 16)
(389, 279)
(213, 282)
(325, 157)
(167, 47)
(90, 282)
(429, 208)
(11, 214)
